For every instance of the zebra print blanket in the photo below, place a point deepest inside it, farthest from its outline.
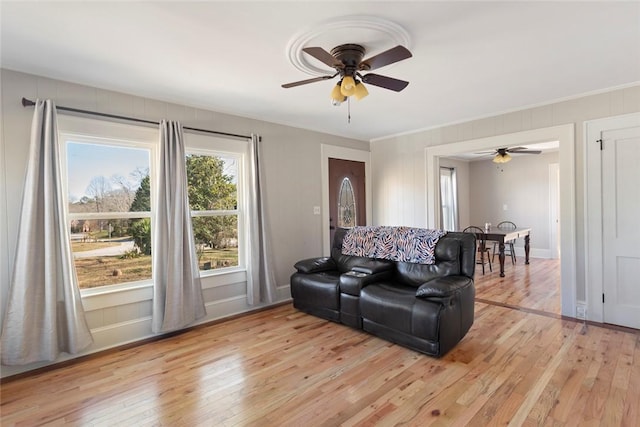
(404, 244)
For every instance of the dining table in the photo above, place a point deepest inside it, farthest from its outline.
(501, 236)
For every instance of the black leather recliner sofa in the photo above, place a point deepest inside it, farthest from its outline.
(428, 308)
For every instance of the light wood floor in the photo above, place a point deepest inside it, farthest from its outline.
(535, 286)
(281, 367)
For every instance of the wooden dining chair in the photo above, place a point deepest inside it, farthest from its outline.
(484, 253)
(508, 246)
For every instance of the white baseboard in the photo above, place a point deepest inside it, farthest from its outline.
(534, 253)
(104, 338)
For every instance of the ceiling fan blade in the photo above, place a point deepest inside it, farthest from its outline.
(385, 82)
(524, 150)
(304, 82)
(387, 57)
(527, 152)
(323, 56)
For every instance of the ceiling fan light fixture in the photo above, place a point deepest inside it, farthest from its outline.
(336, 93)
(502, 158)
(360, 91)
(347, 62)
(348, 86)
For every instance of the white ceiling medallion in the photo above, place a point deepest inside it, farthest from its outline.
(373, 33)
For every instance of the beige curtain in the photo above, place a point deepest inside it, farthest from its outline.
(177, 295)
(44, 314)
(261, 283)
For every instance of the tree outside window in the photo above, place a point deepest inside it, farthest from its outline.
(213, 199)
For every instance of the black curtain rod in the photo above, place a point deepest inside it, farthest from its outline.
(29, 103)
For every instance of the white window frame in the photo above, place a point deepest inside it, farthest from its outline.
(209, 145)
(84, 130)
(453, 201)
(137, 292)
(238, 212)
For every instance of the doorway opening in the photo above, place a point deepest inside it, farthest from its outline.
(564, 134)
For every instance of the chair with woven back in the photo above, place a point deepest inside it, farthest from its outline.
(509, 248)
(484, 253)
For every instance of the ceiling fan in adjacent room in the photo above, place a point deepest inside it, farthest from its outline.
(502, 154)
(347, 61)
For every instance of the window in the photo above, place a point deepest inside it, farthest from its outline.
(213, 198)
(106, 171)
(108, 200)
(108, 174)
(448, 199)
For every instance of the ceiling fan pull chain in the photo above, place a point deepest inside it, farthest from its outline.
(349, 109)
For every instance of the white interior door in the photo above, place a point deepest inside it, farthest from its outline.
(621, 226)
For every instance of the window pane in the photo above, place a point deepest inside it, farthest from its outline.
(448, 199)
(107, 178)
(216, 241)
(212, 182)
(346, 205)
(111, 251)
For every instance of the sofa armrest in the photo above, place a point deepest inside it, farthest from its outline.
(373, 266)
(315, 265)
(353, 281)
(443, 288)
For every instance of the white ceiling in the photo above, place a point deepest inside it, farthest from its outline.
(470, 59)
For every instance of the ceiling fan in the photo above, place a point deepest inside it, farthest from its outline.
(502, 154)
(347, 61)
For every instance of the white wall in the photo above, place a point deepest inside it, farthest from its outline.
(400, 171)
(293, 185)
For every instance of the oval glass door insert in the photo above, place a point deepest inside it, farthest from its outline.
(346, 205)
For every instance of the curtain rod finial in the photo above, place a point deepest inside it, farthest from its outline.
(27, 102)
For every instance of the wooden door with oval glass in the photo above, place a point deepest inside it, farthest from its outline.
(347, 203)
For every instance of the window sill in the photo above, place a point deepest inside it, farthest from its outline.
(112, 289)
(220, 271)
(129, 293)
(222, 277)
(116, 295)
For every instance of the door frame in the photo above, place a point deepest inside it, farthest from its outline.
(562, 133)
(594, 261)
(554, 210)
(343, 153)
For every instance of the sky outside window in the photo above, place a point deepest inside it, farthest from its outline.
(86, 161)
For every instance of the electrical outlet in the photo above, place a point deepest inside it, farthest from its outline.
(316, 210)
(581, 312)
